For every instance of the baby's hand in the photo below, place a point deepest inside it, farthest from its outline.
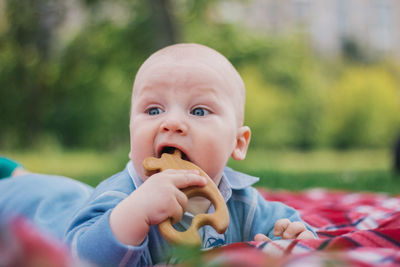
(156, 200)
(288, 230)
(162, 197)
(291, 230)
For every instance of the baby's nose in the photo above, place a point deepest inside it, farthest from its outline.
(174, 125)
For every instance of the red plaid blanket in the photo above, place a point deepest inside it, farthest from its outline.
(354, 229)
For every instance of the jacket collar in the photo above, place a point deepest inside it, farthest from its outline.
(238, 180)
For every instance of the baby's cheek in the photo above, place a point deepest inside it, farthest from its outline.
(214, 165)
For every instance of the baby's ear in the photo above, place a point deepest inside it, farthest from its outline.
(242, 143)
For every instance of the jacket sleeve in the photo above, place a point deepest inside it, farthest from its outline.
(266, 213)
(89, 234)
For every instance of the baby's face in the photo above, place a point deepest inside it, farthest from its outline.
(185, 105)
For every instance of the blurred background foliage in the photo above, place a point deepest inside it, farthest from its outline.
(74, 90)
(65, 80)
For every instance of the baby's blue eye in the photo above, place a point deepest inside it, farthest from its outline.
(154, 111)
(200, 112)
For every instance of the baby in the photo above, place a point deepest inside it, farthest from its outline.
(187, 97)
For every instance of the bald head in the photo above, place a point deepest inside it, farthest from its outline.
(198, 54)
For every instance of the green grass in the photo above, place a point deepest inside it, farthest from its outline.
(356, 170)
(90, 167)
(315, 161)
(375, 181)
(361, 170)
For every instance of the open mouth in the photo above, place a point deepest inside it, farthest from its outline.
(171, 149)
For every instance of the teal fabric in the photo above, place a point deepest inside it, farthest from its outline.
(7, 167)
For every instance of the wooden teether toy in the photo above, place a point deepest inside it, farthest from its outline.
(219, 220)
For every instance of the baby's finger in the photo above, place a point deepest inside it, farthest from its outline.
(294, 229)
(182, 199)
(261, 238)
(186, 178)
(306, 235)
(177, 212)
(280, 226)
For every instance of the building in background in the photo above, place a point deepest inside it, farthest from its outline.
(372, 25)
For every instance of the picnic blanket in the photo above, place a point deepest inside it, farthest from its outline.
(354, 229)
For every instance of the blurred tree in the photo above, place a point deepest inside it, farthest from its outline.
(164, 27)
(362, 108)
(396, 156)
(80, 95)
(26, 67)
(160, 15)
(352, 51)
